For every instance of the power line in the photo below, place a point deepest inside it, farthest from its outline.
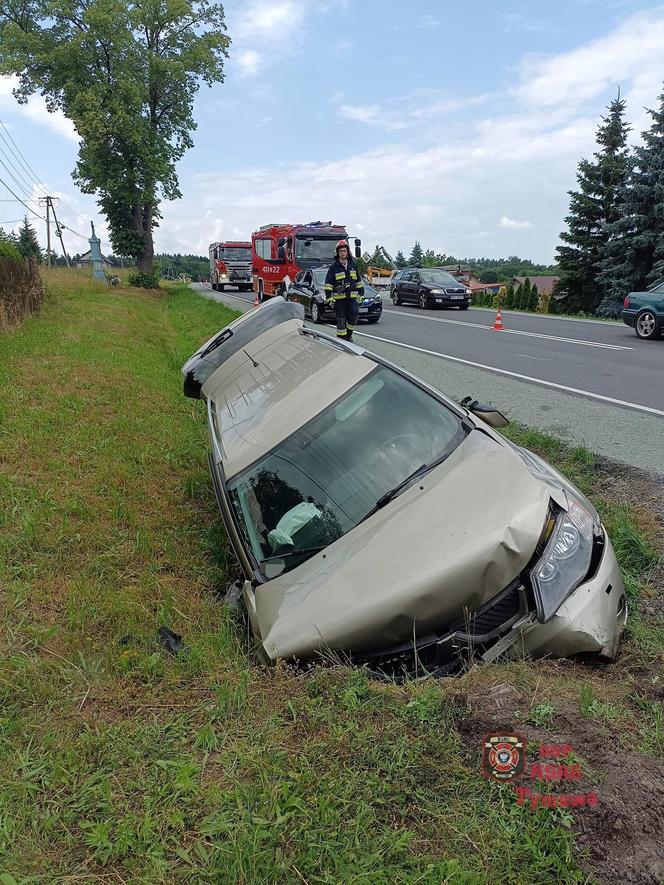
(26, 187)
(21, 201)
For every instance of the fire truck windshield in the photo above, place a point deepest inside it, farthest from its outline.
(230, 254)
(317, 248)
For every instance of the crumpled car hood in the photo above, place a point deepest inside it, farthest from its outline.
(450, 542)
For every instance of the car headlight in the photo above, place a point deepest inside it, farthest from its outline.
(469, 292)
(437, 291)
(565, 561)
(378, 297)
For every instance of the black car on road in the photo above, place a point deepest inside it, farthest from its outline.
(308, 289)
(430, 287)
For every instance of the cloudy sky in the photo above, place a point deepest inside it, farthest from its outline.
(459, 125)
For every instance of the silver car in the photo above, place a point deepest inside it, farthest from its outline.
(375, 519)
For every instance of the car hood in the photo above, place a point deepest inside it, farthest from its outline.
(450, 542)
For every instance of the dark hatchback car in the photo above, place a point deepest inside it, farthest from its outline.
(430, 287)
(644, 312)
(309, 290)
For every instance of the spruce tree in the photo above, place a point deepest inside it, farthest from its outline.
(634, 254)
(28, 245)
(525, 295)
(518, 297)
(509, 297)
(593, 207)
(416, 255)
(400, 260)
(533, 304)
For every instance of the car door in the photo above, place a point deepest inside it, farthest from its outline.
(412, 286)
(403, 285)
(295, 292)
(307, 290)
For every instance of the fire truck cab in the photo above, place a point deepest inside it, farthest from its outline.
(230, 265)
(280, 251)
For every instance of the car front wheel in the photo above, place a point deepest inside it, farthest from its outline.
(646, 325)
(396, 298)
(315, 312)
(463, 307)
(424, 300)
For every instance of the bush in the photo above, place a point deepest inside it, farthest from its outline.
(142, 280)
(9, 251)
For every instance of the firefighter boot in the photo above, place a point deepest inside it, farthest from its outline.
(349, 335)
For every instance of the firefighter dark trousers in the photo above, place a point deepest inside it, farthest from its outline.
(347, 313)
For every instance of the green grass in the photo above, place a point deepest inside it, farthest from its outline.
(120, 760)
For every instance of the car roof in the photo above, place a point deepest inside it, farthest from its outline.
(279, 382)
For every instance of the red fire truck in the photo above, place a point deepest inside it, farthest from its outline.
(279, 251)
(230, 265)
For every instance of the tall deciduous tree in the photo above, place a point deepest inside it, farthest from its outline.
(126, 74)
(634, 253)
(27, 242)
(593, 207)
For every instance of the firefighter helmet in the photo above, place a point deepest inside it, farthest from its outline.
(342, 244)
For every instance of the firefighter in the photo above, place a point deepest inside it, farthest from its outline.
(344, 286)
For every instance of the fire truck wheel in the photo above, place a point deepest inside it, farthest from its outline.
(214, 286)
(220, 287)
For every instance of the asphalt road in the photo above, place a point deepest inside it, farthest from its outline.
(588, 382)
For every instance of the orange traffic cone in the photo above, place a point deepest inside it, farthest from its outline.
(498, 323)
(256, 301)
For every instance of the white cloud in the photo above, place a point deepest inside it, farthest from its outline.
(409, 110)
(494, 182)
(512, 223)
(36, 111)
(249, 62)
(427, 21)
(632, 52)
(276, 26)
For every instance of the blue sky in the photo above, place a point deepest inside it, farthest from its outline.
(458, 125)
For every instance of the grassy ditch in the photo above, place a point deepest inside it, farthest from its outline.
(120, 762)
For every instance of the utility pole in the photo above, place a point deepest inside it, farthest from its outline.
(58, 230)
(47, 201)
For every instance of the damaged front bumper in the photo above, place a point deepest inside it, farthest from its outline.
(590, 620)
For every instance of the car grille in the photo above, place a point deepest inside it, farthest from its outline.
(447, 652)
(457, 291)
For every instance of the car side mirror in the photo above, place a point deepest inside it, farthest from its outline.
(488, 413)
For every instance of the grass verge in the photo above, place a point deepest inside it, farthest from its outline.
(119, 760)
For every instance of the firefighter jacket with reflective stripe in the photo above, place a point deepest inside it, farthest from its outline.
(343, 282)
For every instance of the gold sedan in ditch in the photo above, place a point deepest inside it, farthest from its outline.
(376, 519)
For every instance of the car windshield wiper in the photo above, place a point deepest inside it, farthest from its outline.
(288, 553)
(392, 493)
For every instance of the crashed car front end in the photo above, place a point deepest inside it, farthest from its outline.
(481, 549)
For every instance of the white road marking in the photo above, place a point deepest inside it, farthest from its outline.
(541, 359)
(414, 316)
(456, 359)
